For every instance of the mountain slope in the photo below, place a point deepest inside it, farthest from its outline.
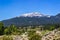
(32, 19)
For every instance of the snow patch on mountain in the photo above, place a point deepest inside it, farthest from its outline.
(34, 14)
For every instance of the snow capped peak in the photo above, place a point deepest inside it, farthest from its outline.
(33, 14)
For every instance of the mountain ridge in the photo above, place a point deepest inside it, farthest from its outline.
(33, 20)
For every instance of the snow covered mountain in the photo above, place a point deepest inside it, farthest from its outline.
(34, 18)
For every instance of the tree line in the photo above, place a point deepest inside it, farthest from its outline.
(12, 29)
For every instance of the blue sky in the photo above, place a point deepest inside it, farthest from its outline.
(13, 8)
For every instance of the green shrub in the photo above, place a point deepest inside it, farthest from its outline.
(35, 37)
(7, 38)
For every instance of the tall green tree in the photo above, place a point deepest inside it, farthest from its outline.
(7, 31)
(11, 29)
(1, 28)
